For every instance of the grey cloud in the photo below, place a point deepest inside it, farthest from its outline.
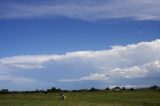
(89, 10)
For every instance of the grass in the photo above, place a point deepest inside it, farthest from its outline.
(126, 98)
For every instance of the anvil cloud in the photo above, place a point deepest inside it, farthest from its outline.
(130, 62)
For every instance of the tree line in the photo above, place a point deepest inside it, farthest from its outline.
(92, 89)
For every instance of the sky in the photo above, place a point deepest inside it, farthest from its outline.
(77, 44)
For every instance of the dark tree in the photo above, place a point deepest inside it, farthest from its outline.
(4, 91)
(154, 87)
(117, 88)
(123, 88)
(107, 89)
(132, 89)
(93, 89)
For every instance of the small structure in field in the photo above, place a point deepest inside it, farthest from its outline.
(62, 96)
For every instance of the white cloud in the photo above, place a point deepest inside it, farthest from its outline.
(118, 56)
(128, 72)
(87, 9)
(92, 76)
(141, 60)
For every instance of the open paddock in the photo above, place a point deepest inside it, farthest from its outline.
(99, 98)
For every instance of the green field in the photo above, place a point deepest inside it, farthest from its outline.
(125, 98)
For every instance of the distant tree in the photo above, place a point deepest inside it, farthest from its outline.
(38, 91)
(116, 88)
(53, 89)
(93, 89)
(107, 89)
(4, 91)
(123, 88)
(74, 90)
(58, 90)
(132, 89)
(154, 87)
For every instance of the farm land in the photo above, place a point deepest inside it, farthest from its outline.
(83, 98)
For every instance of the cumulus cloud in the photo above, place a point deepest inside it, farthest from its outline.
(92, 76)
(133, 61)
(118, 56)
(128, 72)
(89, 10)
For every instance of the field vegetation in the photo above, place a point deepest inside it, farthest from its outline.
(92, 97)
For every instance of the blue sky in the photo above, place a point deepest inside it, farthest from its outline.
(79, 44)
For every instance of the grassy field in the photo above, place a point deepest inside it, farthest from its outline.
(126, 98)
